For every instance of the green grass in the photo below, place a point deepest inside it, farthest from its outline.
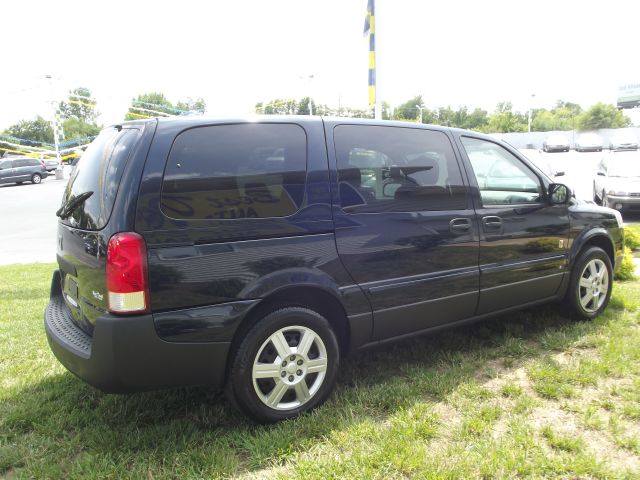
(528, 395)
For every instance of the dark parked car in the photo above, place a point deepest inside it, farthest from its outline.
(258, 254)
(22, 169)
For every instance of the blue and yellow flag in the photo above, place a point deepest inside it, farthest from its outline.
(369, 28)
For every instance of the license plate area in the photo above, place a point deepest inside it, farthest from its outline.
(71, 292)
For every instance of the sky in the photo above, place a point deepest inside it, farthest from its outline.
(237, 53)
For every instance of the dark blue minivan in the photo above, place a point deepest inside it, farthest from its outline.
(258, 253)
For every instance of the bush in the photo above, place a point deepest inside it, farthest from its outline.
(631, 238)
(627, 268)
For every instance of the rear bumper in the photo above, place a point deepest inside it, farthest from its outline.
(125, 354)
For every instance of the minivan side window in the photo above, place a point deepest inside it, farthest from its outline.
(397, 169)
(502, 178)
(253, 170)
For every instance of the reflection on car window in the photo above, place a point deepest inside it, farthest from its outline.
(392, 169)
(503, 179)
(237, 171)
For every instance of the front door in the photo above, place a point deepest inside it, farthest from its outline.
(523, 238)
(405, 226)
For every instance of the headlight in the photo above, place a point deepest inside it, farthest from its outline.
(617, 193)
(618, 218)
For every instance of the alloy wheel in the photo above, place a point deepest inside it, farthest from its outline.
(289, 368)
(594, 285)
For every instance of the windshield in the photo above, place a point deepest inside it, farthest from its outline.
(99, 171)
(625, 167)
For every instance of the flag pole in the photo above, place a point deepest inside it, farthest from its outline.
(370, 28)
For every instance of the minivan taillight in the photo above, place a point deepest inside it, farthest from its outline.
(127, 283)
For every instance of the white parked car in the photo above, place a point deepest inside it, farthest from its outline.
(589, 142)
(623, 140)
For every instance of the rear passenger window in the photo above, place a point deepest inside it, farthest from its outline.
(395, 169)
(236, 171)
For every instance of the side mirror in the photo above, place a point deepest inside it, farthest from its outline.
(601, 173)
(559, 194)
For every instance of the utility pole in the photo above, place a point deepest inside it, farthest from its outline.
(307, 80)
(420, 107)
(54, 122)
(530, 106)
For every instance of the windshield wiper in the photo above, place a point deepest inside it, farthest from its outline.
(66, 210)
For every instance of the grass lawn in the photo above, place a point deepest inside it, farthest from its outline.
(529, 395)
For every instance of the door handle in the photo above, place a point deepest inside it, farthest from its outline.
(492, 222)
(459, 225)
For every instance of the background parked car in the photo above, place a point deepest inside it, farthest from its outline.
(617, 183)
(51, 164)
(624, 140)
(589, 142)
(556, 143)
(22, 169)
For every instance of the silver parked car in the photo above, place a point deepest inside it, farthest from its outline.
(556, 143)
(589, 142)
(623, 140)
(617, 183)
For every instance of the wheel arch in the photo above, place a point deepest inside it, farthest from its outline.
(314, 298)
(598, 237)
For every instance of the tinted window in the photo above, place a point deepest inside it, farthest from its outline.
(502, 177)
(21, 163)
(5, 164)
(236, 171)
(99, 172)
(393, 169)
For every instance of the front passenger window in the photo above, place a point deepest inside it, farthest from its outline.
(502, 178)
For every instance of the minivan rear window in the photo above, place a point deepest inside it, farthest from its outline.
(99, 171)
(224, 172)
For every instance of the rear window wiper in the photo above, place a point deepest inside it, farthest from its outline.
(66, 210)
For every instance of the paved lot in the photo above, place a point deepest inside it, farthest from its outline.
(28, 222)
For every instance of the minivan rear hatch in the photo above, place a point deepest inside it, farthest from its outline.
(87, 205)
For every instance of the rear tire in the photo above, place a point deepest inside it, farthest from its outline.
(286, 365)
(590, 284)
(36, 178)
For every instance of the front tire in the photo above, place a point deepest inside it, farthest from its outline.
(286, 365)
(36, 178)
(590, 284)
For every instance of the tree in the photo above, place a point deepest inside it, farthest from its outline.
(193, 106)
(278, 106)
(35, 131)
(476, 120)
(409, 111)
(154, 101)
(75, 128)
(602, 115)
(80, 105)
(504, 120)
(562, 117)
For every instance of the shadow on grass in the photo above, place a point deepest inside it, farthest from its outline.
(64, 427)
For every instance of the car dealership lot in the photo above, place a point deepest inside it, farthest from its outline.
(28, 227)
